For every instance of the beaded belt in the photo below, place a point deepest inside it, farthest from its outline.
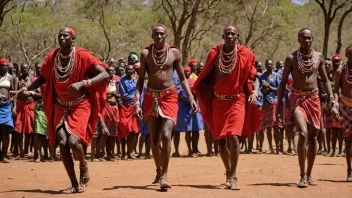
(305, 93)
(160, 93)
(345, 100)
(70, 103)
(226, 97)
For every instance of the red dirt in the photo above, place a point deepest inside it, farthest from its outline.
(259, 175)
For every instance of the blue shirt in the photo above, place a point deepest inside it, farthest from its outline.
(271, 96)
(127, 89)
(278, 80)
(176, 81)
(260, 95)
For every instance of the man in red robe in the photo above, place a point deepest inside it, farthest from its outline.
(74, 93)
(226, 99)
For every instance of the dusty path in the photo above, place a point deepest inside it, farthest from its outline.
(259, 175)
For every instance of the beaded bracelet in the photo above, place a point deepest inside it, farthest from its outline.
(87, 83)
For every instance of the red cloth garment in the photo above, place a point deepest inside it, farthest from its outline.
(81, 119)
(308, 106)
(165, 106)
(287, 115)
(346, 118)
(24, 117)
(228, 117)
(269, 118)
(331, 121)
(111, 118)
(128, 123)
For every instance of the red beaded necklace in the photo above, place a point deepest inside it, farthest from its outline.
(309, 64)
(348, 74)
(227, 66)
(161, 59)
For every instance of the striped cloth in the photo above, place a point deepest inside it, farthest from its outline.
(346, 119)
(287, 114)
(40, 121)
(331, 121)
(269, 118)
(101, 128)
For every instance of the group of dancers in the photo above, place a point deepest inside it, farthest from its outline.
(75, 100)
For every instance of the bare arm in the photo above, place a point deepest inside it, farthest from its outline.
(285, 74)
(337, 84)
(324, 78)
(40, 81)
(102, 74)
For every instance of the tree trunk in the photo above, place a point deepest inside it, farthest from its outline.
(326, 38)
(339, 30)
(190, 28)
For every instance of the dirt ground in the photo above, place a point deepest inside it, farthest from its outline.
(259, 175)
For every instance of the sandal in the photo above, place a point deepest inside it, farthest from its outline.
(311, 182)
(84, 175)
(71, 190)
(164, 184)
(302, 183)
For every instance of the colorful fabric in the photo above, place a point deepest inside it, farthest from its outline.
(128, 123)
(6, 114)
(287, 114)
(346, 119)
(165, 105)
(271, 96)
(24, 117)
(331, 121)
(40, 121)
(269, 118)
(82, 118)
(127, 89)
(111, 118)
(227, 117)
(308, 106)
(194, 76)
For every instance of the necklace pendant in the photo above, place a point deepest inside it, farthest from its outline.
(161, 67)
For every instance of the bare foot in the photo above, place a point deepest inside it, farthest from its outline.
(84, 175)
(176, 154)
(333, 154)
(349, 176)
(148, 156)
(71, 190)
(209, 154)
(164, 184)
(139, 156)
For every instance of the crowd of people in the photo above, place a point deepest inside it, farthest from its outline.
(73, 100)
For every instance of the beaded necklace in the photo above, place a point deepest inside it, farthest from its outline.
(62, 73)
(160, 60)
(309, 64)
(348, 74)
(227, 66)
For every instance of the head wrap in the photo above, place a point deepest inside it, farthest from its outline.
(231, 26)
(159, 25)
(187, 69)
(349, 49)
(337, 56)
(133, 57)
(192, 61)
(4, 60)
(137, 66)
(121, 59)
(73, 32)
(303, 30)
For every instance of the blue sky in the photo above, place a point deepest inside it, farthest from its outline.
(299, 2)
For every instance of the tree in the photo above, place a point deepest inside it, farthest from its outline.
(183, 16)
(10, 4)
(329, 10)
(339, 30)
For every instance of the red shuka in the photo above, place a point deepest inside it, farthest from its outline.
(128, 123)
(81, 119)
(24, 117)
(229, 117)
